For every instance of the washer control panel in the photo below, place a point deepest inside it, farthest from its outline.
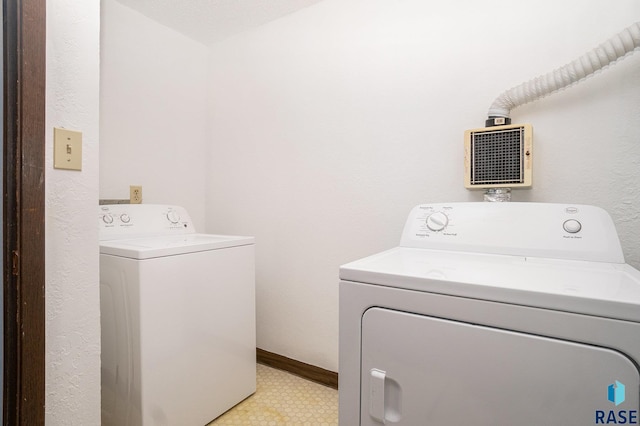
(578, 232)
(121, 221)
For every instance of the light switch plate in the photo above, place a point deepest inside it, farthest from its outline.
(67, 149)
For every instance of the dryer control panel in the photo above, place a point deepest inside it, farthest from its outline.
(556, 231)
(122, 221)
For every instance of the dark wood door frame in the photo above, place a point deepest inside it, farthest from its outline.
(23, 203)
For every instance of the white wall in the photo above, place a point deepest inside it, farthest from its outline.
(72, 293)
(328, 125)
(152, 111)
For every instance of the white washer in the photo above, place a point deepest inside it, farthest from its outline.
(492, 314)
(177, 318)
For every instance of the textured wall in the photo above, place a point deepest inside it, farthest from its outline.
(330, 124)
(152, 111)
(72, 293)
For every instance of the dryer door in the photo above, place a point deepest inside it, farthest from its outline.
(420, 370)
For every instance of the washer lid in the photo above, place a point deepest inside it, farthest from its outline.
(170, 245)
(594, 288)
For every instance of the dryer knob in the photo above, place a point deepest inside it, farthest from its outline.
(106, 218)
(173, 217)
(125, 218)
(437, 221)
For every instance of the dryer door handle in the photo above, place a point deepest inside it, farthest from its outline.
(384, 397)
(376, 394)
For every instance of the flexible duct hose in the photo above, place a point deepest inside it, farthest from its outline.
(605, 54)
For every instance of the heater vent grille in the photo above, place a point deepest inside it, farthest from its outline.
(498, 157)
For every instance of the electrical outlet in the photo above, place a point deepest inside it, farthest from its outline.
(135, 194)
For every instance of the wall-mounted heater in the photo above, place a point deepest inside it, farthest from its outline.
(498, 157)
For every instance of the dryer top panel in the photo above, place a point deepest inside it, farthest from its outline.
(564, 257)
(554, 231)
(595, 288)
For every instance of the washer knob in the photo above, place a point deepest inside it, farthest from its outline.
(106, 218)
(572, 226)
(437, 221)
(173, 217)
(125, 218)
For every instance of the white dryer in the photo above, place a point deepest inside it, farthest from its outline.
(492, 314)
(177, 318)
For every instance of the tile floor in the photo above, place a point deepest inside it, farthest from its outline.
(283, 399)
